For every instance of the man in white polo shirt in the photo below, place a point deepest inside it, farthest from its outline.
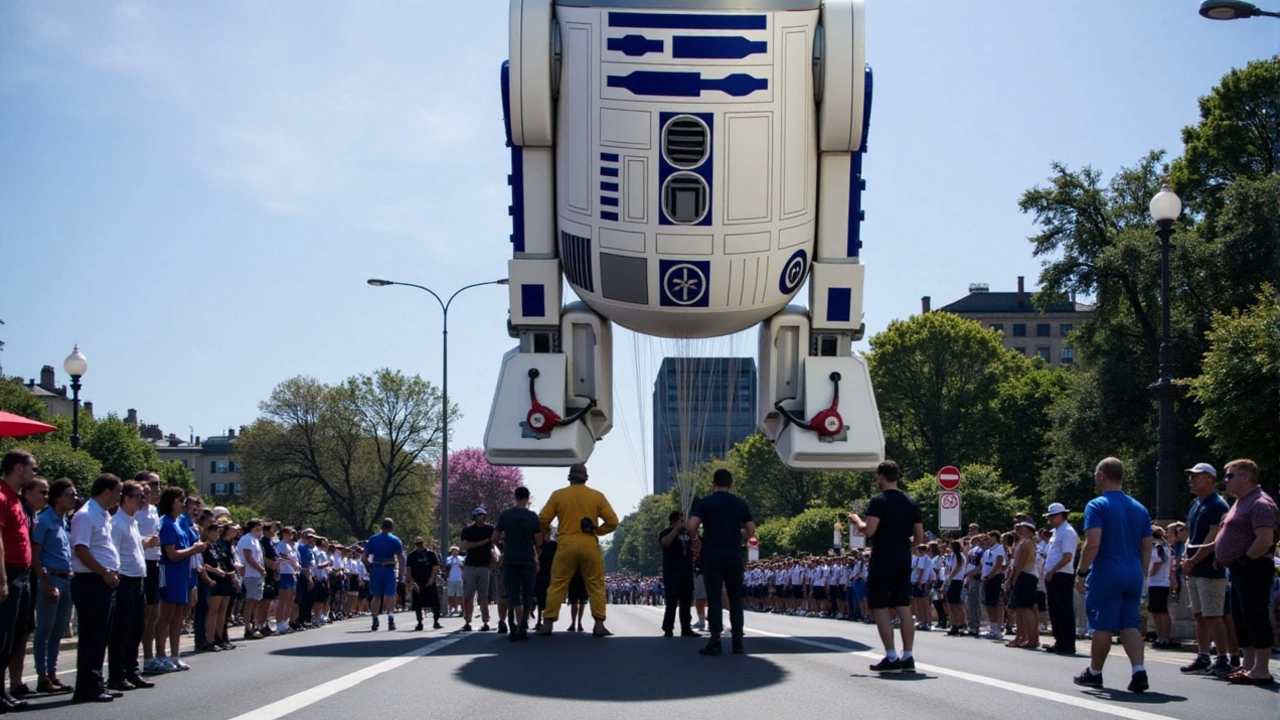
(96, 564)
(249, 551)
(1059, 581)
(127, 620)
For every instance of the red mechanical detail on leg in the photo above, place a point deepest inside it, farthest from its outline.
(828, 422)
(540, 417)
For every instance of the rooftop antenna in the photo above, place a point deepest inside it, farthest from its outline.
(191, 439)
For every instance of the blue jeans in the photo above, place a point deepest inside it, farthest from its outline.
(51, 622)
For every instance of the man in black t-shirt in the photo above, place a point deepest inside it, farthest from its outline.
(677, 575)
(422, 565)
(520, 533)
(477, 543)
(894, 526)
(726, 521)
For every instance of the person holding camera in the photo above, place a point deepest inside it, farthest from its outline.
(576, 509)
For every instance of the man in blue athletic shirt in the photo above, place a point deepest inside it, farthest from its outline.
(1117, 550)
(384, 554)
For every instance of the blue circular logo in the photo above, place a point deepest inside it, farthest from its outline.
(793, 272)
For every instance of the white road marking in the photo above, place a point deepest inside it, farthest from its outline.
(1080, 702)
(296, 702)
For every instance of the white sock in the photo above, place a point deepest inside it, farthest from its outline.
(1094, 672)
(1139, 668)
(891, 654)
(906, 655)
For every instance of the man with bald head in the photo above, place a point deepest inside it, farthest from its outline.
(1117, 551)
(583, 515)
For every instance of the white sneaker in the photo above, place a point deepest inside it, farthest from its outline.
(178, 665)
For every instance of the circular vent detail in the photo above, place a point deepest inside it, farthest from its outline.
(684, 142)
(685, 197)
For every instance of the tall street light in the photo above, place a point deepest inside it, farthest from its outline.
(76, 366)
(1232, 10)
(444, 391)
(1165, 208)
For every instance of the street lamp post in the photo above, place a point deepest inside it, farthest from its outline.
(1165, 208)
(1232, 10)
(444, 391)
(76, 366)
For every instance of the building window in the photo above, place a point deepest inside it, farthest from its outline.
(1043, 352)
(1021, 351)
(219, 467)
(1042, 330)
(998, 327)
(1065, 329)
(1019, 330)
(1068, 356)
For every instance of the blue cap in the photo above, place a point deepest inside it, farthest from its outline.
(478, 511)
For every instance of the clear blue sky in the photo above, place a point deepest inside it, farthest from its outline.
(195, 193)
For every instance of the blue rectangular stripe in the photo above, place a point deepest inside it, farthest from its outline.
(608, 201)
(609, 186)
(716, 47)
(609, 172)
(839, 304)
(608, 157)
(678, 21)
(533, 301)
(609, 216)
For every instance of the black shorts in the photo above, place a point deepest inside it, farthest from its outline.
(889, 586)
(151, 585)
(1158, 599)
(427, 597)
(1024, 592)
(992, 588)
(955, 591)
(320, 592)
(270, 589)
(1042, 601)
(819, 592)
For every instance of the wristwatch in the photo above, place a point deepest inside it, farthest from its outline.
(1083, 573)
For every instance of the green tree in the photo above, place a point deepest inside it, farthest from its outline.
(769, 487)
(344, 457)
(812, 530)
(635, 542)
(936, 377)
(1238, 387)
(1023, 423)
(985, 498)
(58, 460)
(118, 446)
(1235, 137)
(175, 474)
(15, 398)
(775, 537)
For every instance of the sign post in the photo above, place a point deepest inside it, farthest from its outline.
(753, 550)
(949, 498)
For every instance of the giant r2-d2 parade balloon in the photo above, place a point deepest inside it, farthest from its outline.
(686, 166)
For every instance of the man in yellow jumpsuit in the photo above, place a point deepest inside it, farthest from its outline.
(584, 515)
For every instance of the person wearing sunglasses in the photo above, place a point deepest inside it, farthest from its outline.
(19, 468)
(1246, 545)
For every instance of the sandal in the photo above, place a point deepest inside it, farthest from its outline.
(1247, 679)
(1014, 644)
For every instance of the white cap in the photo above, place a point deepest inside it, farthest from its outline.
(1027, 524)
(1203, 468)
(1056, 509)
(219, 511)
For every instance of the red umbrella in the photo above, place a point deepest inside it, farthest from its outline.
(16, 426)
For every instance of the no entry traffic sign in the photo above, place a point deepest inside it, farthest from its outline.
(949, 478)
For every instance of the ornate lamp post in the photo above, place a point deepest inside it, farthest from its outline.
(76, 366)
(444, 392)
(1165, 208)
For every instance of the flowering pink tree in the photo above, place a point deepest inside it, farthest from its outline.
(473, 483)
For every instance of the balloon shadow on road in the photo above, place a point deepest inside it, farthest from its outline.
(388, 645)
(617, 669)
(1145, 698)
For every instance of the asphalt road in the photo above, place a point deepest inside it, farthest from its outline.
(794, 667)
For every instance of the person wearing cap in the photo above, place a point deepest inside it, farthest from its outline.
(1020, 582)
(453, 579)
(1059, 572)
(583, 515)
(477, 543)
(384, 554)
(1113, 565)
(1205, 580)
